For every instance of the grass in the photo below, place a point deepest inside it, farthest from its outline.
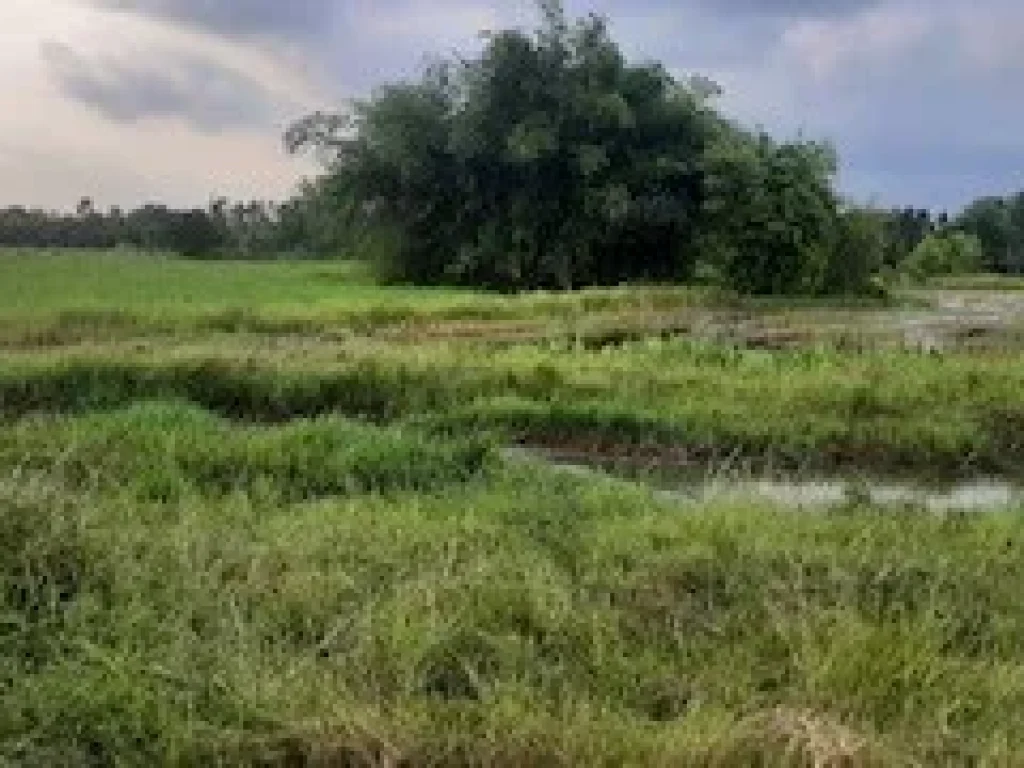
(60, 298)
(527, 619)
(262, 544)
(36, 282)
(168, 450)
(945, 416)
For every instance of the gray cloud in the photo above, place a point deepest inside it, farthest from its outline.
(286, 19)
(920, 96)
(209, 96)
(787, 8)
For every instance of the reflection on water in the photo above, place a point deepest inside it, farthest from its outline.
(973, 496)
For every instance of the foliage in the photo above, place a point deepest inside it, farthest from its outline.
(999, 225)
(802, 409)
(531, 619)
(282, 536)
(168, 450)
(904, 231)
(859, 253)
(550, 162)
(771, 215)
(951, 253)
(252, 230)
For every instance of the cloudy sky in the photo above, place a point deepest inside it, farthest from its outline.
(178, 100)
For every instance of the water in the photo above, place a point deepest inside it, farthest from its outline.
(958, 317)
(975, 496)
(955, 320)
(983, 495)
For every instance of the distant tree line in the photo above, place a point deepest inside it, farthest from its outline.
(256, 229)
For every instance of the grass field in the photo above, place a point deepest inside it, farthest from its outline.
(299, 539)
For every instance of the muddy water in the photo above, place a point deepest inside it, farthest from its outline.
(953, 320)
(967, 497)
(974, 496)
(961, 318)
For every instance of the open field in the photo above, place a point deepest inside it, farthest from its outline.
(65, 299)
(301, 537)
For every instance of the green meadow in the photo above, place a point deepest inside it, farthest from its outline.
(269, 514)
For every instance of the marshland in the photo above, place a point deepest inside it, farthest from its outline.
(623, 440)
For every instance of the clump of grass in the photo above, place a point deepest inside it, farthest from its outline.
(166, 450)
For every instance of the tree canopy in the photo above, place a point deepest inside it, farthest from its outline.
(998, 223)
(550, 161)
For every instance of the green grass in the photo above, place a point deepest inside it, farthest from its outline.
(529, 619)
(167, 451)
(37, 282)
(258, 514)
(58, 298)
(944, 416)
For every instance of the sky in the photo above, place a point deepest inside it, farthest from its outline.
(129, 101)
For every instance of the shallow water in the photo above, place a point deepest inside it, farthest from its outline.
(958, 318)
(954, 320)
(983, 495)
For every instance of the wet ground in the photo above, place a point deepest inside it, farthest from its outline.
(947, 320)
(979, 495)
(929, 321)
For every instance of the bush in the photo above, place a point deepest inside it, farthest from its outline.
(953, 253)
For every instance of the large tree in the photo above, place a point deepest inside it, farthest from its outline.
(551, 161)
(547, 161)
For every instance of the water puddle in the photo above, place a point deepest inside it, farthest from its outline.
(961, 318)
(975, 496)
(954, 320)
(983, 495)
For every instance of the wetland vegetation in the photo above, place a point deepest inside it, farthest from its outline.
(615, 438)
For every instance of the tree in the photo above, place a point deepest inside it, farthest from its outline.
(859, 253)
(952, 253)
(194, 234)
(546, 162)
(549, 161)
(904, 231)
(771, 216)
(991, 220)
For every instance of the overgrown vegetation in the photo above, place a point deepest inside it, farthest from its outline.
(257, 229)
(548, 160)
(306, 544)
(944, 255)
(551, 162)
(533, 619)
(168, 450)
(282, 514)
(800, 410)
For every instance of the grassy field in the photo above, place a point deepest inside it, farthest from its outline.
(300, 539)
(63, 298)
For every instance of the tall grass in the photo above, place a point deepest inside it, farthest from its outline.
(538, 619)
(946, 416)
(256, 514)
(165, 451)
